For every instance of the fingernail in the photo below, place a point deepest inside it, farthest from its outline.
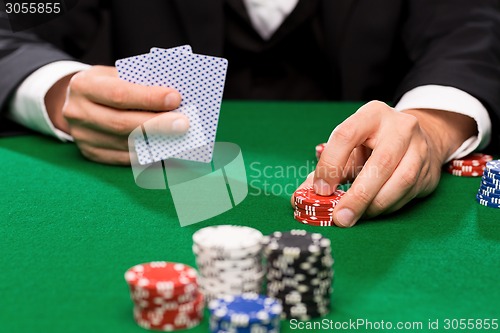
(322, 187)
(345, 217)
(179, 126)
(171, 100)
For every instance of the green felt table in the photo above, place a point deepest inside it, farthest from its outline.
(70, 228)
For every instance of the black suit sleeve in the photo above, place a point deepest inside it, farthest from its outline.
(455, 43)
(63, 38)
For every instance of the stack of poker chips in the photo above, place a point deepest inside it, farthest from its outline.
(245, 313)
(319, 150)
(299, 273)
(229, 260)
(472, 165)
(165, 296)
(314, 209)
(489, 192)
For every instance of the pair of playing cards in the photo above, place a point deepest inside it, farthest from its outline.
(200, 81)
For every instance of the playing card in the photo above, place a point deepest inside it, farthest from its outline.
(140, 146)
(200, 81)
(162, 146)
(135, 69)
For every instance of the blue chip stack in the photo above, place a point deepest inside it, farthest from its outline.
(245, 313)
(489, 191)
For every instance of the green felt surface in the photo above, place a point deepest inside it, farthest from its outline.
(69, 229)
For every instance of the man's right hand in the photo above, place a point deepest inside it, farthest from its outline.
(99, 110)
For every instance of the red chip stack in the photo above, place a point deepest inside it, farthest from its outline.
(314, 209)
(472, 165)
(165, 296)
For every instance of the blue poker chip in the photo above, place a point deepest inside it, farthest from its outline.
(491, 175)
(492, 200)
(223, 327)
(487, 193)
(487, 183)
(493, 167)
(495, 182)
(244, 310)
(486, 202)
(489, 188)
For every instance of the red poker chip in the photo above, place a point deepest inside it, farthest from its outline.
(151, 299)
(316, 223)
(466, 174)
(307, 196)
(467, 168)
(185, 316)
(319, 149)
(314, 208)
(465, 171)
(162, 279)
(475, 159)
(307, 214)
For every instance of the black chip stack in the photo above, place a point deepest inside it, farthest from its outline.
(299, 270)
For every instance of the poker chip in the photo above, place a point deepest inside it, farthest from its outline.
(493, 167)
(491, 175)
(307, 196)
(493, 200)
(489, 191)
(491, 179)
(229, 260)
(474, 159)
(316, 223)
(248, 312)
(162, 279)
(466, 171)
(487, 201)
(485, 182)
(314, 209)
(299, 272)
(308, 213)
(165, 295)
(472, 165)
(319, 150)
(187, 315)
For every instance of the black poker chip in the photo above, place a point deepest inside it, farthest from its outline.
(299, 272)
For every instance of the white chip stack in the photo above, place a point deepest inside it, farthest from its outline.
(229, 260)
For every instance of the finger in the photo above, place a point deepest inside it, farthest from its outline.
(117, 93)
(401, 186)
(355, 164)
(92, 137)
(105, 156)
(119, 122)
(353, 132)
(378, 169)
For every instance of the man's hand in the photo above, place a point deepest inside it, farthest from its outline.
(100, 110)
(393, 157)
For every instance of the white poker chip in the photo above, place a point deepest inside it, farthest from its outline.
(229, 260)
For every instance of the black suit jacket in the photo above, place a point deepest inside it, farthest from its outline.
(370, 45)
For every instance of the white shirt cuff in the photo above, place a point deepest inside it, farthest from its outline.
(27, 106)
(452, 100)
